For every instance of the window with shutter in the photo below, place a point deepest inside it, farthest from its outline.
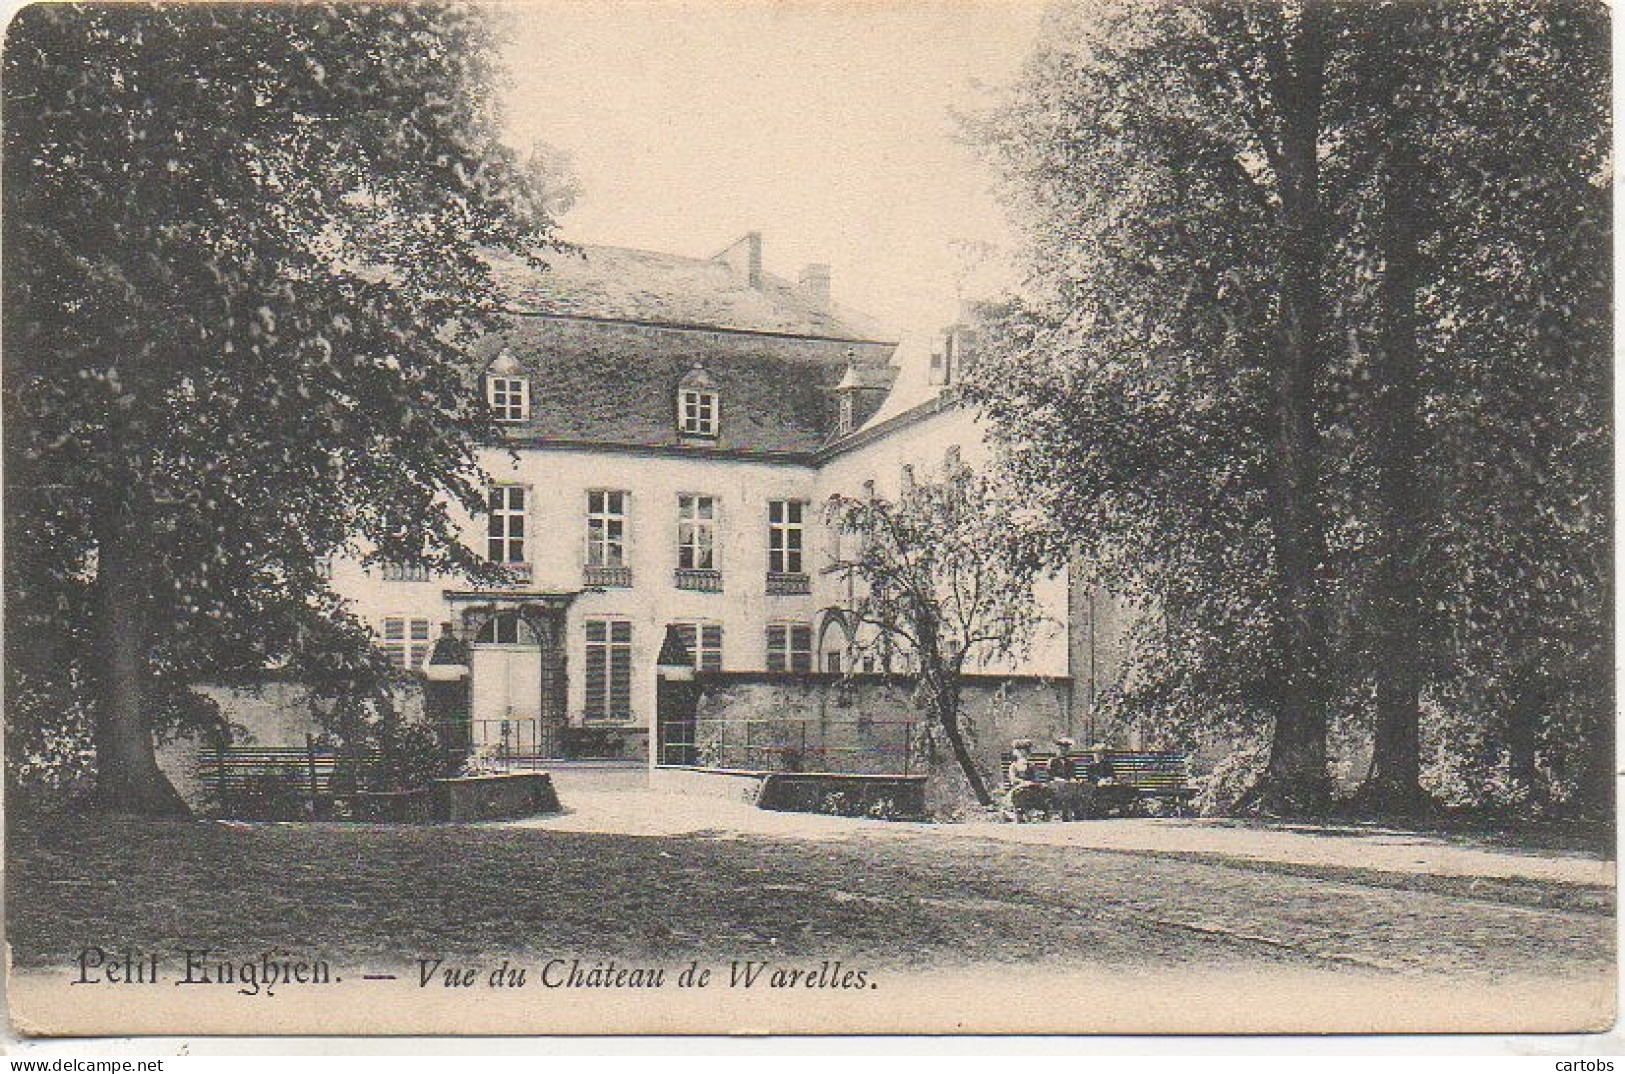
(608, 671)
(789, 647)
(406, 641)
(703, 642)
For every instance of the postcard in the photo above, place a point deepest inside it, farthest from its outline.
(768, 518)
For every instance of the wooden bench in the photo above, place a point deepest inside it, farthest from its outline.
(234, 773)
(1161, 775)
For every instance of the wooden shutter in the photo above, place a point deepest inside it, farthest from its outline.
(711, 647)
(620, 671)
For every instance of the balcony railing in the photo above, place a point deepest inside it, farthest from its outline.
(786, 585)
(607, 577)
(405, 572)
(702, 581)
(521, 574)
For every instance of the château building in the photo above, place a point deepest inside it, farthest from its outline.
(671, 429)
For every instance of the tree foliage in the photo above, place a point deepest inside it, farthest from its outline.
(936, 582)
(1339, 426)
(244, 258)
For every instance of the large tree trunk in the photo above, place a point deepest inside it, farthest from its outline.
(128, 779)
(948, 716)
(1394, 785)
(1295, 779)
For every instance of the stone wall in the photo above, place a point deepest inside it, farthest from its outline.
(866, 724)
(277, 712)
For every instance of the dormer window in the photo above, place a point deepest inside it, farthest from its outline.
(699, 411)
(846, 397)
(699, 406)
(507, 390)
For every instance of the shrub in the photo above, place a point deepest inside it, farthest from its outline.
(268, 796)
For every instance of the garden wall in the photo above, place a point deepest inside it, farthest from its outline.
(859, 725)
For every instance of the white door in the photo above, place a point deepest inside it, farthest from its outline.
(507, 694)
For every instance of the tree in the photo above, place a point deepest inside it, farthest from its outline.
(244, 258)
(1167, 162)
(938, 583)
(1295, 279)
(1517, 345)
(1472, 297)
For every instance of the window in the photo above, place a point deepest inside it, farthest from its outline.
(609, 669)
(406, 641)
(789, 647)
(696, 533)
(845, 419)
(703, 642)
(832, 663)
(508, 397)
(606, 528)
(507, 628)
(697, 412)
(505, 541)
(784, 536)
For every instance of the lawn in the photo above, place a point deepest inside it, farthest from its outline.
(374, 894)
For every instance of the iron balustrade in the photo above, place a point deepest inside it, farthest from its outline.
(608, 577)
(703, 581)
(788, 585)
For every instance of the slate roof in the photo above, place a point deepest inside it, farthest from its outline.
(615, 384)
(615, 283)
(620, 388)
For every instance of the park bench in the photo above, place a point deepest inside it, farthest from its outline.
(1138, 776)
(236, 775)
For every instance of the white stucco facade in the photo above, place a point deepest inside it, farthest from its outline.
(603, 413)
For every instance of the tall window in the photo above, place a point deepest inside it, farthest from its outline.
(606, 528)
(406, 641)
(703, 642)
(505, 540)
(784, 536)
(609, 669)
(697, 412)
(508, 397)
(696, 533)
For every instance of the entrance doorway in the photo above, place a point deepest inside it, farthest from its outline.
(509, 709)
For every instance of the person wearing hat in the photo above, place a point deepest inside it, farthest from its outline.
(1027, 794)
(1073, 796)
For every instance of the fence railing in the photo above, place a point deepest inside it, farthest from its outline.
(517, 745)
(317, 771)
(845, 747)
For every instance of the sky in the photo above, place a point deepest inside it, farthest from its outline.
(827, 127)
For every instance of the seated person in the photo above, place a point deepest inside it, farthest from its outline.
(1073, 795)
(1101, 764)
(1026, 794)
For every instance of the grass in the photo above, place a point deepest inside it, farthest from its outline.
(376, 894)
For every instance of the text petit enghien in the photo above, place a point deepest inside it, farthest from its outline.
(263, 974)
(257, 975)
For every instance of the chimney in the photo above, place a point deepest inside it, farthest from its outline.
(815, 286)
(744, 259)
